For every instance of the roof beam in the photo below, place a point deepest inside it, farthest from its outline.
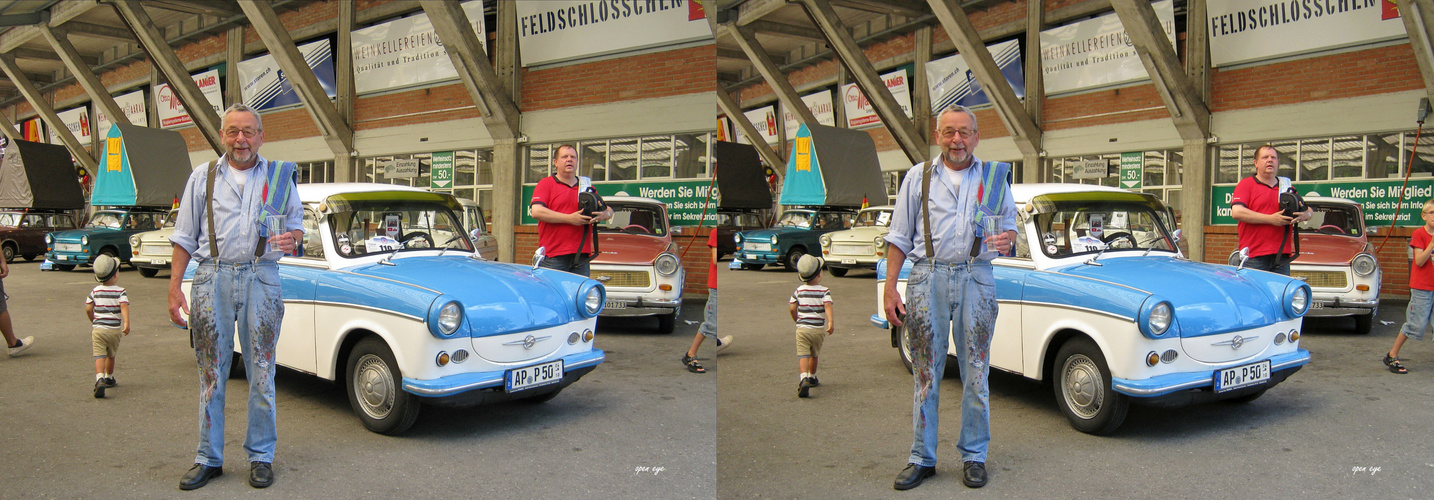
(861, 70)
(163, 57)
(775, 78)
(973, 50)
(47, 113)
(1418, 16)
(786, 30)
(752, 11)
(1187, 109)
(336, 132)
(908, 8)
(734, 113)
(500, 114)
(87, 78)
(9, 129)
(218, 8)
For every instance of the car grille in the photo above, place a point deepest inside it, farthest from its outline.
(67, 247)
(626, 279)
(1322, 279)
(157, 249)
(853, 249)
(757, 247)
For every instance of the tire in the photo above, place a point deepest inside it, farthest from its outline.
(666, 323)
(64, 267)
(837, 271)
(237, 368)
(904, 349)
(540, 399)
(1082, 389)
(148, 272)
(753, 267)
(794, 255)
(1363, 323)
(30, 257)
(10, 252)
(375, 387)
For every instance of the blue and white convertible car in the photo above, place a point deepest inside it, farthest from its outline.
(390, 300)
(1099, 301)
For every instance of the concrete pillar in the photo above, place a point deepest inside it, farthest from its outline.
(507, 188)
(1195, 199)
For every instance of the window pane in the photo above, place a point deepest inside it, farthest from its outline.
(463, 168)
(485, 201)
(1287, 150)
(1154, 168)
(1347, 157)
(1227, 165)
(1313, 160)
(1174, 169)
(690, 151)
(1384, 158)
(1424, 160)
(622, 160)
(656, 157)
(538, 164)
(592, 159)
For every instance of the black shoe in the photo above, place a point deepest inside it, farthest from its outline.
(912, 476)
(804, 387)
(198, 476)
(814, 382)
(110, 382)
(261, 474)
(99, 388)
(973, 474)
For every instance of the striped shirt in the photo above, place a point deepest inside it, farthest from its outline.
(811, 301)
(107, 300)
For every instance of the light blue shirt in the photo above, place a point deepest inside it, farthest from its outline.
(953, 214)
(236, 213)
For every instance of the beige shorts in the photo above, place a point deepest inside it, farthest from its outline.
(809, 340)
(106, 341)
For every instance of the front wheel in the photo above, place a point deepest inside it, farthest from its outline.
(148, 272)
(65, 267)
(837, 271)
(9, 253)
(1083, 392)
(376, 389)
(1363, 323)
(793, 256)
(666, 323)
(752, 267)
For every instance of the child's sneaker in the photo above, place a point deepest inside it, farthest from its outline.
(109, 381)
(723, 342)
(99, 388)
(813, 380)
(803, 387)
(25, 343)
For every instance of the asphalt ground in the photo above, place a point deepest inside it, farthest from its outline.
(639, 426)
(1342, 427)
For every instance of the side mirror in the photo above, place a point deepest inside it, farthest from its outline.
(1176, 235)
(475, 233)
(676, 229)
(538, 257)
(1238, 259)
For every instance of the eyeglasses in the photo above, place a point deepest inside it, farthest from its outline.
(966, 133)
(234, 132)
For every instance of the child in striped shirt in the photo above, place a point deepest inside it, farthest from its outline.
(108, 309)
(811, 308)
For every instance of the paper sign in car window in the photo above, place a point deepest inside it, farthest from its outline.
(380, 244)
(883, 219)
(1087, 244)
(1097, 225)
(391, 224)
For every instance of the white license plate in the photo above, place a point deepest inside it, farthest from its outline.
(160, 262)
(1242, 376)
(1316, 305)
(534, 376)
(848, 261)
(62, 257)
(615, 304)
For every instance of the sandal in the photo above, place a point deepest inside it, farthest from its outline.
(692, 365)
(1394, 365)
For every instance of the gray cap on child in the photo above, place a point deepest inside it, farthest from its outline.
(105, 267)
(808, 267)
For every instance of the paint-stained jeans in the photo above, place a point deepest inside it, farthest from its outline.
(225, 294)
(940, 300)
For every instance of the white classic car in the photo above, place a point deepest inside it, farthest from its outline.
(638, 261)
(151, 251)
(1098, 299)
(390, 300)
(862, 245)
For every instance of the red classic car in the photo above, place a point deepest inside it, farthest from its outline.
(638, 262)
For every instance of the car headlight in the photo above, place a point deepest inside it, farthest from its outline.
(85, 240)
(449, 318)
(1157, 317)
(590, 299)
(878, 241)
(667, 264)
(737, 238)
(1364, 264)
(826, 240)
(1297, 299)
(774, 239)
(48, 240)
(134, 241)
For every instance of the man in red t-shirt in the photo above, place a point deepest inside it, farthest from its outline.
(709, 315)
(563, 231)
(1256, 204)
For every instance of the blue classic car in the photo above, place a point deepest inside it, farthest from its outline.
(795, 234)
(107, 233)
(1099, 300)
(390, 300)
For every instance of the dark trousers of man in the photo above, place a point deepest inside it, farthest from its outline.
(1275, 263)
(576, 263)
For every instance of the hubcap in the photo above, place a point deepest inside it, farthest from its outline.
(373, 384)
(1082, 386)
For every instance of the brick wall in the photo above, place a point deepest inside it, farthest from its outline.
(1393, 257)
(661, 74)
(693, 251)
(1336, 76)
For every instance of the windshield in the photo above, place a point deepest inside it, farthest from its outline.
(869, 218)
(9, 219)
(1336, 219)
(1078, 223)
(382, 222)
(111, 220)
(795, 219)
(634, 218)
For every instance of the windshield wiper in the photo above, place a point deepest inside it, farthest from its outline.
(387, 261)
(1092, 260)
